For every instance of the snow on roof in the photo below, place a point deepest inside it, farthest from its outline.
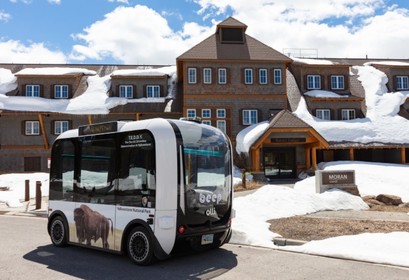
(94, 100)
(390, 63)
(313, 61)
(381, 125)
(324, 94)
(169, 70)
(48, 71)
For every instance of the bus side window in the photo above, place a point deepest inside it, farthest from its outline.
(96, 175)
(62, 172)
(137, 171)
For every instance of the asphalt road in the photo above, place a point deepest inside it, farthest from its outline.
(27, 253)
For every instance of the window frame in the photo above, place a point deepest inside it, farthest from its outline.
(278, 76)
(207, 112)
(263, 78)
(348, 111)
(33, 90)
(191, 75)
(59, 126)
(207, 122)
(249, 116)
(222, 127)
(313, 82)
(222, 76)
(218, 115)
(31, 128)
(127, 90)
(207, 75)
(153, 87)
(401, 84)
(191, 113)
(322, 113)
(336, 82)
(248, 76)
(59, 92)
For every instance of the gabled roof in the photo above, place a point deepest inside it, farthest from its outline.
(231, 22)
(285, 119)
(252, 49)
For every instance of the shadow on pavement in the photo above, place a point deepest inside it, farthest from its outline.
(92, 264)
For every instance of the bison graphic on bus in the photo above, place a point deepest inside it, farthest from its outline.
(91, 225)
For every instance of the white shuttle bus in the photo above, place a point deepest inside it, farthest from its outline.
(144, 188)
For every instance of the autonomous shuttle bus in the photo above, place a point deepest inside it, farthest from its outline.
(145, 188)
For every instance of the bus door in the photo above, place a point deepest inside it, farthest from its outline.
(94, 193)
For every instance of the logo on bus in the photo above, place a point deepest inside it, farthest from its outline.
(211, 212)
(211, 197)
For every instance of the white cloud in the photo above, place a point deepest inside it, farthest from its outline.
(56, 2)
(4, 16)
(136, 35)
(119, 1)
(12, 51)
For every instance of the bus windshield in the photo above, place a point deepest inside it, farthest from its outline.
(207, 167)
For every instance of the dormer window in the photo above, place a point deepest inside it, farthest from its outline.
(232, 35)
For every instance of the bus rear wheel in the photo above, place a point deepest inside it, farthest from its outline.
(58, 232)
(140, 246)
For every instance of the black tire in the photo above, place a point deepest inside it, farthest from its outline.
(140, 247)
(58, 232)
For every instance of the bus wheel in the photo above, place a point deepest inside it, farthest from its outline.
(139, 246)
(58, 232)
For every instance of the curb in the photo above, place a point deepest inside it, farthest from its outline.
(281, 241)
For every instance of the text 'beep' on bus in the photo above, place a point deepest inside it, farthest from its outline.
(144, 188)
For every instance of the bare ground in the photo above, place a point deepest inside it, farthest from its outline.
(308, 228)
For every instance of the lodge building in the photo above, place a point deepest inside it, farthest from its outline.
(230, 80)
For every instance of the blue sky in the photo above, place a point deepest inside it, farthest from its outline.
(156, 32)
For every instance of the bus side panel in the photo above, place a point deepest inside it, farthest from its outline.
(126, 214)
(67, 207)
(166, 184)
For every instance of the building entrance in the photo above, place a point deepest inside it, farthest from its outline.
(279, 163)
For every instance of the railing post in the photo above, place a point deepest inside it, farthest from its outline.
(38, 195)
(27, 192)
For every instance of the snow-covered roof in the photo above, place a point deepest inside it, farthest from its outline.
(94, 100)
(381, 126)
(54, 71)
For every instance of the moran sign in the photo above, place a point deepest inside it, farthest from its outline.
(341, 179)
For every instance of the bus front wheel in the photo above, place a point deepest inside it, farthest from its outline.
(140, 246)
(58, 232)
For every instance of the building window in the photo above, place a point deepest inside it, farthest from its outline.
(208, 122)
(249, 117)
(221, 124)
(33, 90)
(402, 82)
(337, 82)
(313, 82)
(323, 114)
(262, 76)
(191, 113)
(277, 77)
(60, 127)
(207, 75)
(221, 113)
(248, 76)
(348, 114)
(191, 75)
(61, 91)
(153, 91)
(32, 128)
(222, 76)
(206, 113)
(126, 91)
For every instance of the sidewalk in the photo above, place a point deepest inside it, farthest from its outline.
(28, 208)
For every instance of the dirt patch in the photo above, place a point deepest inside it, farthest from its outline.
(309, 228)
